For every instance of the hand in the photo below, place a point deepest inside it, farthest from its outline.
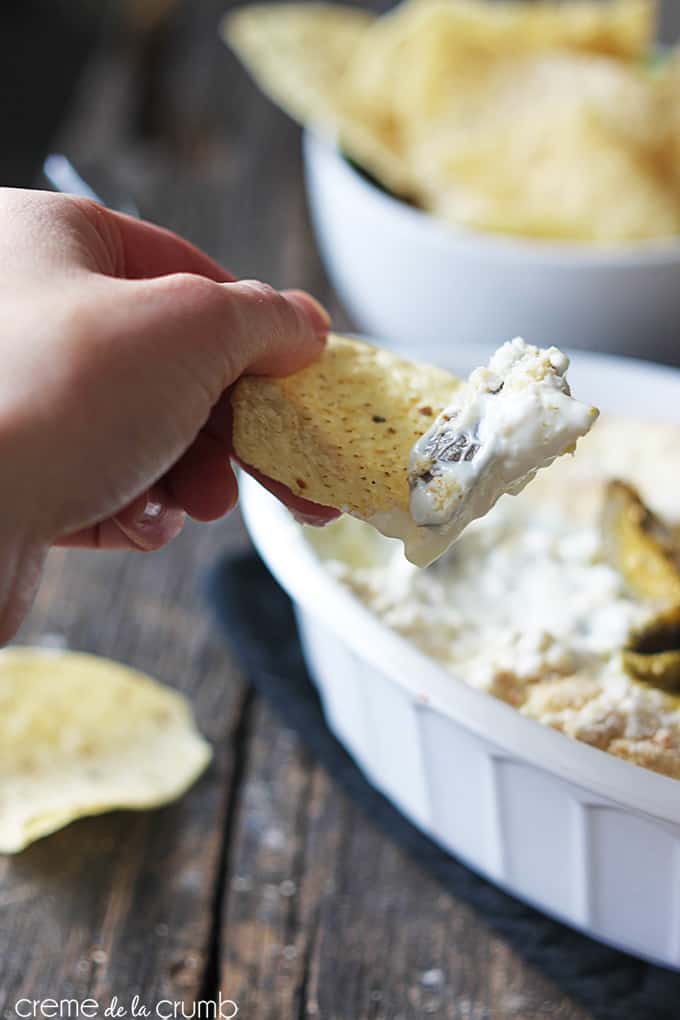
(118, 343)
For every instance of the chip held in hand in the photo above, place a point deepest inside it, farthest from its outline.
(405, 446)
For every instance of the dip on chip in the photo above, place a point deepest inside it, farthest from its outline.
(540, 119)
(404, 446)
(81, 735)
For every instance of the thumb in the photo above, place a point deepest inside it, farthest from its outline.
(223, 330)
(180, 341)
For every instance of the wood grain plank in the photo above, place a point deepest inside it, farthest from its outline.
(124, 903)
(324, 916)
(263, 962)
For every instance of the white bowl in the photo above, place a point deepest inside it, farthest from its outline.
(588, 838)
(405, 275)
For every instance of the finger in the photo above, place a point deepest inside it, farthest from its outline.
(202, 482)
(146, 524)
(151, 521)
(146, 250)
(213, 332)
(77, 232)
(278, 355)
(304, 510)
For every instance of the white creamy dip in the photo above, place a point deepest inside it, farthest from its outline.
(508, 605)
(506, 422)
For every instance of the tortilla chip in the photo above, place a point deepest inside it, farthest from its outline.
(532, 117)
(620, 28)
(298, 55)
(298, 52)
(81, 735)
(340, 432)
(669, 95)
(414, 59)
(539, 146)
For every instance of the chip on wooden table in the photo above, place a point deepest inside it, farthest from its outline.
(81, 735)
(341, 431)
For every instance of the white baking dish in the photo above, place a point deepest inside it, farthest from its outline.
(584, 836)
(414, 279)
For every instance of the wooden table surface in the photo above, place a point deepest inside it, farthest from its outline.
(263, 882)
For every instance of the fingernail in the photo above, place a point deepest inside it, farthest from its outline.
(152, 511)
(310, 307)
